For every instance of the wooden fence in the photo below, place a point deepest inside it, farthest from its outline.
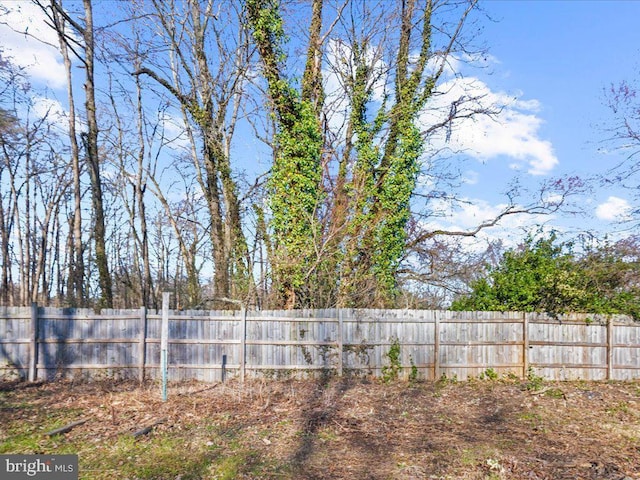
(42, 343)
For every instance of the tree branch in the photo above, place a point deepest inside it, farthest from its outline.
(183, 99)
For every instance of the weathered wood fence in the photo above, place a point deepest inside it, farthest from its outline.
(42, 343)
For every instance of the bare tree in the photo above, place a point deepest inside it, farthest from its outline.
(343, 100)
(205, 75)
(623, 132)
(183, 220)
(77, 36)
(128, 154)
(10, 138)
(75, 285)
(36, 179)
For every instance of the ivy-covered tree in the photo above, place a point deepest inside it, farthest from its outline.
(352, 99)
(294, 186)
(545, 275)
(340, 199)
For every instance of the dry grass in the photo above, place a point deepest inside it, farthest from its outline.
(333, 428)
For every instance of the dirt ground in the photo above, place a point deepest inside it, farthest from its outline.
(334, 429)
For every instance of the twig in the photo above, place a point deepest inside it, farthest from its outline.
(198, 391)
(147, 429)
(540, 392)
(66, 428)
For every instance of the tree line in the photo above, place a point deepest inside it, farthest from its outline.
(277, 148)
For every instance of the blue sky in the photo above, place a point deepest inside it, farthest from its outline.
(562, 55)
(549, 62)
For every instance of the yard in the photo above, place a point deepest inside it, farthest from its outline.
(336, 428)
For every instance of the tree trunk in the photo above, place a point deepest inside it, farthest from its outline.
(93, 164)
(140, 188)
(75, 283)
(4, 253)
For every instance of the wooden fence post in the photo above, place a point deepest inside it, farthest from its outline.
(609, 348)
(436, 345)
(142, 345)
(33, 344)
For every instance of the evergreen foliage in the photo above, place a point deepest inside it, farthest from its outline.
(545, 275)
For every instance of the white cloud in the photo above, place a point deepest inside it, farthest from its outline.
(513, 131)
(482, 60)
(554, 198)
(41, 59)
(475, 211)
(56, 114)
(452, 64)
(614, 209)
(52, 109)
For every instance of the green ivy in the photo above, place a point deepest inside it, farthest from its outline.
(383, 168)
(294, 186)
(381, 191)
(391, 372)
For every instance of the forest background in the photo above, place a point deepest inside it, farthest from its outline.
(310, 154)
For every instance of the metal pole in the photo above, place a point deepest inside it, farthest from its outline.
(164, 343)
(525, 345)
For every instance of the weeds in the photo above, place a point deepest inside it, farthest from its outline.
(446, 380)
(231, 432)
(489, 374)
(534, 382)
(621, 408)
(494, 465)
(413, 376)
(532, 419)
(390, 372)
(554, 393)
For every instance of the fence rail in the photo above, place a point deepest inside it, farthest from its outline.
(42, 343)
